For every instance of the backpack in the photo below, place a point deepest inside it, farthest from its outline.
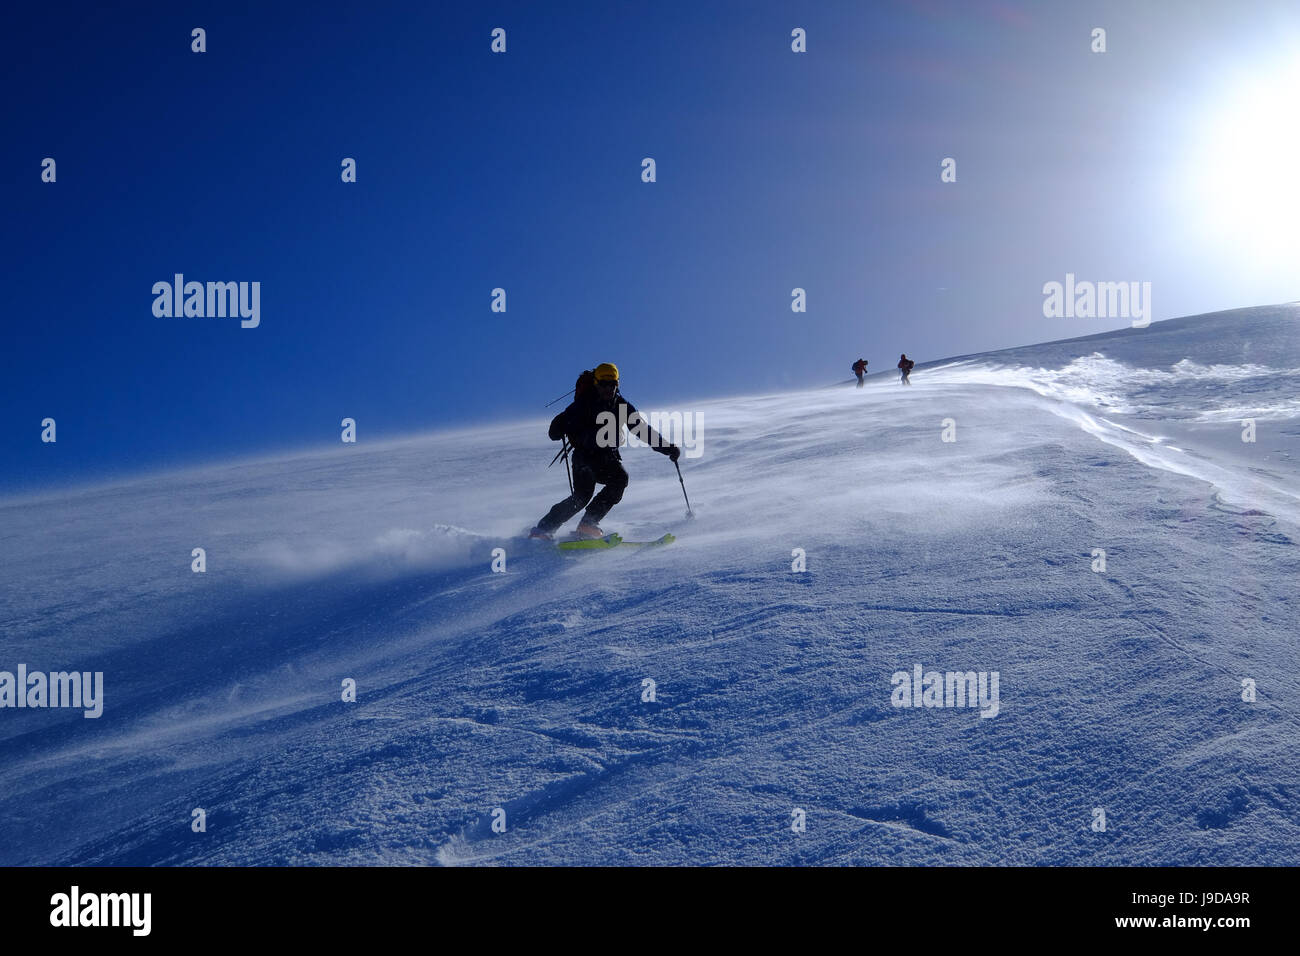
(585, 387)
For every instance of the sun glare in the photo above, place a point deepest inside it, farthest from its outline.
(1248, 185)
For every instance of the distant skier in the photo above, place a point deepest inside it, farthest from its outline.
(596, 459)
(905, 366)
(860, 369)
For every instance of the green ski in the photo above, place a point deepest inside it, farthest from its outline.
(666, 539)
(591, 544)
(613, 540)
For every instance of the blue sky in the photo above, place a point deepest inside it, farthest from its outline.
(522, 171)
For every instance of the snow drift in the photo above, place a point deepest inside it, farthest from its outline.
(682, 705)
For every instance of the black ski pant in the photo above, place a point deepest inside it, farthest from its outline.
(586, 475)
(859, 380)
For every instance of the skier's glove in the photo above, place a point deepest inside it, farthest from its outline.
(556, 431)
(674, 453)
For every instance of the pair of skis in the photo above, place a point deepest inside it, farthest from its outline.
(613, 540)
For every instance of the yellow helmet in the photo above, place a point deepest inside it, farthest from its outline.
(606, 372)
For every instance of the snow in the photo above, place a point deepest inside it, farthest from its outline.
(522, 690)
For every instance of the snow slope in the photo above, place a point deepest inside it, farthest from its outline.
(1119, 690)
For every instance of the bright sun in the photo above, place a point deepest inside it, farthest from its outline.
(1248, 185)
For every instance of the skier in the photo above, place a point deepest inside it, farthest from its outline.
(596, 460)
(860, 369)
(905, 365)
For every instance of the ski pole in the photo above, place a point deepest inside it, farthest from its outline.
(564, 453)
(689, 513)
(553, 401)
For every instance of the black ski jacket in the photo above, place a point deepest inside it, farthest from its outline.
(579, 424)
